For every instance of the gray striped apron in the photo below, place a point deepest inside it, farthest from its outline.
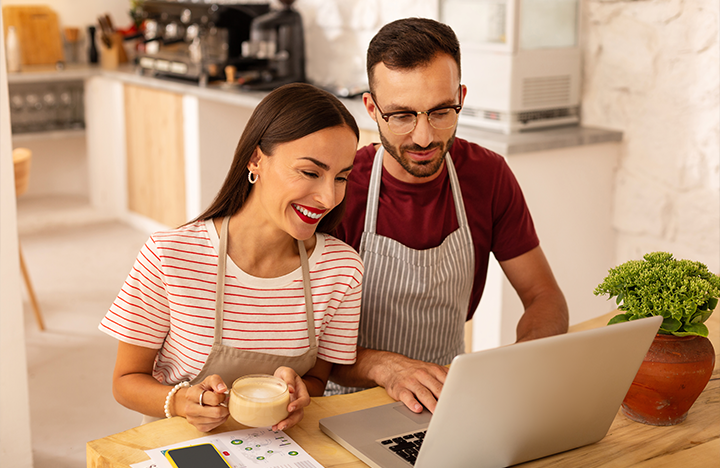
(415, 302)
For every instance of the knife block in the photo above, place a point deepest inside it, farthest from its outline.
(111, 57)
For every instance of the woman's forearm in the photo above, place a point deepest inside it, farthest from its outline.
(144, 394)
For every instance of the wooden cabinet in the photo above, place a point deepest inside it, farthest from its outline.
(155, 154)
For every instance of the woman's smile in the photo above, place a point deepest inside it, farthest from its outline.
(308, 214)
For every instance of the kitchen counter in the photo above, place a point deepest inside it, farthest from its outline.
(48, 73)
(539, 140)
(505, 144)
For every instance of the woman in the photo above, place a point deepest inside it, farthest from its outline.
(253, 285)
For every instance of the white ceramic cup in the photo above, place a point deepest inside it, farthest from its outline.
(259, 400)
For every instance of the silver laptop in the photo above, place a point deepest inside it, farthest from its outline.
(507, 405)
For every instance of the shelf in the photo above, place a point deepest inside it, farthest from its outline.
(49, 135)
(48, 74)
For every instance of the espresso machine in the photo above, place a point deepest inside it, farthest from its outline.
(195, 41)
(275, 51)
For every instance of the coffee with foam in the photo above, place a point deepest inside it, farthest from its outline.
(259, 400)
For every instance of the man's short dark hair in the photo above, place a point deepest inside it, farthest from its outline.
(409, 43)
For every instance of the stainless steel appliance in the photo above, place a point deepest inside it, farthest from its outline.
(277, 44)
(195, 41)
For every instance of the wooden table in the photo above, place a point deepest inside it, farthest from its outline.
(693, 443)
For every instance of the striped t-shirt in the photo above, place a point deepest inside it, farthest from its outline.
(168, 303)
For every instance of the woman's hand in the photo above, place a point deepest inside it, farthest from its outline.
(208, 413)
(299, 398)
(135, 387)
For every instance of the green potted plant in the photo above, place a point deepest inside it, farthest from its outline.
(681, 359)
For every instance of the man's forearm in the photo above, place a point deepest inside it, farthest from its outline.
(546, 316)
(366, 372)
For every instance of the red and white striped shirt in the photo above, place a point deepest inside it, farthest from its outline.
(168, 303)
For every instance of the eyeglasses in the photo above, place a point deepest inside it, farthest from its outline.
(404, 122)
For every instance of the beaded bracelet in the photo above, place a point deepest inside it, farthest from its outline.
(170, 395)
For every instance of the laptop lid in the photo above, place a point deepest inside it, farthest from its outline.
(512, 404)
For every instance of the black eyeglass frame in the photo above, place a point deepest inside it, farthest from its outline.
(386, 115)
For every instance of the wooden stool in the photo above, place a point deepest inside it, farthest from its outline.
(21, 161)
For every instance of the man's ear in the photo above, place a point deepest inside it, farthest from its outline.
(369, 105)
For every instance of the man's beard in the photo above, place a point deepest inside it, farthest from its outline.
(420, 169)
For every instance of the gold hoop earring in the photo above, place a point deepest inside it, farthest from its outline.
(250, 177)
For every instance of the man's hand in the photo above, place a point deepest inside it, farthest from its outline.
(415, 383)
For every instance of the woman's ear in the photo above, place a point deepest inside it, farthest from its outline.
(255, 160)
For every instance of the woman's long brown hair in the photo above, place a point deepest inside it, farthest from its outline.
(286, 114)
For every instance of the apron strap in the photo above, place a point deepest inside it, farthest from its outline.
(373, 198)
(457, 193)
(371, 208)
(308, 294)
(220, 287)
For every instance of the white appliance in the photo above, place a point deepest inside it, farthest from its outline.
(520, 61)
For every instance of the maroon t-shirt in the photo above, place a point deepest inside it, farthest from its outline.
(421, 216)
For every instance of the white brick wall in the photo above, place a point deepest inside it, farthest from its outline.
(652, 71)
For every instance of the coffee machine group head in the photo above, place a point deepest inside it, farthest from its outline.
(277, 39)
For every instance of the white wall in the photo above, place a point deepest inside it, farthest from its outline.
(337, 33)
(14, 406)
(652, 70)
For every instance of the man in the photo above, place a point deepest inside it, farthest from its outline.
(425, 224)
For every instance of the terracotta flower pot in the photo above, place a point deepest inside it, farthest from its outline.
(672, 376)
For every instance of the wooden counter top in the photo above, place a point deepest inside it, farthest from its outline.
(693, 443)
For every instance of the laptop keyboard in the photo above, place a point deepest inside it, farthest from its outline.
(405, 446)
